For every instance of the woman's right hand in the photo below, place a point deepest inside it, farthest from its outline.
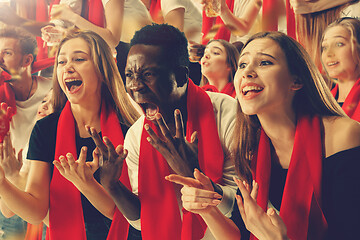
(198, 194)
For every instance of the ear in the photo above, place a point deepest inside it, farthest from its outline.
(27, 60)
(297, 84)
(182, 75)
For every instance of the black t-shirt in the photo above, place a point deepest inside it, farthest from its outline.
(42, 148)
(340, 194)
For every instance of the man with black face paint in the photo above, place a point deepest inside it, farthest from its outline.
(184, 130)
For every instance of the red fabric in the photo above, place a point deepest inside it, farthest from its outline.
(66, 214)
(6, 92)
(34, 232)
(302, 192)
(270, 15)
(158, 195)
(290, 20)
(229, 89)
(96, 12)
(155, 11)
(42, 64)
(209, 22)
(351, 105)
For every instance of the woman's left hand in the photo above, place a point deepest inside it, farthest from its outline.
(79, 172)
(264, 225)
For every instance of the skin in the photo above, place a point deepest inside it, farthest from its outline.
(45, 108)
(32, 204)
(214, 65)
(338, 60)
(278, 120)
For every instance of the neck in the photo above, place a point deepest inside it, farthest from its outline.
(24, 87)
(218, 83)
(345, 87)
(86, 116)
(280, 128)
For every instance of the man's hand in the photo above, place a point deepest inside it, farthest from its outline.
(111, 160)
(10, 163)
(181, 155)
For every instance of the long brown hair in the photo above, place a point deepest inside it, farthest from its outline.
(112, 87)
(232, 58)
(314, 98)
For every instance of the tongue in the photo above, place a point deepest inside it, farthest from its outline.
(73, 88)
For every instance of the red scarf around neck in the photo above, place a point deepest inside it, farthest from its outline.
(351, 105)
(229, 89)
(209, 22)
(301, 200)
(66, 213)
(6, 92)
(160, 215)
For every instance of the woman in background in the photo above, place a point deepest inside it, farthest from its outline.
(340, 56)
(218, 67)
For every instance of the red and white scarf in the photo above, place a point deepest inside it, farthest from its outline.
(160, 215)
(301, 202)
(229, 89)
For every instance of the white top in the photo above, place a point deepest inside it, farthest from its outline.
(192, 18)
(225, 112)
(352, 10)
(24, 120)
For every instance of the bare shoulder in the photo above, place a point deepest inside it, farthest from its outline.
(340, 134)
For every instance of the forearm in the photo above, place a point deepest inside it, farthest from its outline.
(220, 226)
(243, 23)
(27, 206)
(99, 198)
(105, 33)
(126, 201)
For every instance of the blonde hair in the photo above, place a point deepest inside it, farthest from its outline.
(353, 26)
(314, 98)
(112, 87)
(232, 58)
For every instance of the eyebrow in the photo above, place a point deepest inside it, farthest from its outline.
(75, 52)
(214, 47)
(258, 53)
(337, 36)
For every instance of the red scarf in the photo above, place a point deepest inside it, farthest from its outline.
(155, 11)
(158, 195)
(209, 22)
(66, 213)
(229, 89)
(290, 20)
(351, 105)
(6, 92)
(270, 15)
(302, 192)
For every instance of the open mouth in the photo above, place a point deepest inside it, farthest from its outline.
(248, 90)
(150, 110)
(73, 85)
(330, 64)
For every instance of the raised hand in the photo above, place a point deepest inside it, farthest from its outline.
(111, 160)
(79, 172)
(264, 225)
(181, 155)
(10, 163)
(198, 194)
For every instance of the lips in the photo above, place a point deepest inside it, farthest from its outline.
(331, 64)
(73, 85)
(250, 89)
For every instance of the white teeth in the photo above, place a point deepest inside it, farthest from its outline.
(72, 80)
(332, 63)
(251, 88)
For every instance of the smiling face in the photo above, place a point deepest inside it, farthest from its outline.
(263, 82)
(214, 62)
(76, 72)
(149, 80)
(337, 54)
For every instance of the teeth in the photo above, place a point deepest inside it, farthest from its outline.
(332, 63)
(251, 88)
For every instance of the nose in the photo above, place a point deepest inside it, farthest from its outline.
(249, 72)
(329, 51)
(135, 83)
(45, 106)
(69, 68)
(206, 55)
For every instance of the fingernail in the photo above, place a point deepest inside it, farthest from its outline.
(216, 195)
(148, 139)
(146, 127)
(216, 201)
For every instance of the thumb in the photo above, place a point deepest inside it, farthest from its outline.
(194, 138)
(275, 218)
(20, 157)
(203, 179)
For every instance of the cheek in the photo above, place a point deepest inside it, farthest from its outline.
(237, 83)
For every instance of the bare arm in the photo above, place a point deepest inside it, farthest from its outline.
(308, 6)
(241, 24)
(176, 18)
(31, 205)
(114, 12)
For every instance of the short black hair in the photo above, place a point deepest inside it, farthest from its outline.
(172, 41)
(27, 42)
